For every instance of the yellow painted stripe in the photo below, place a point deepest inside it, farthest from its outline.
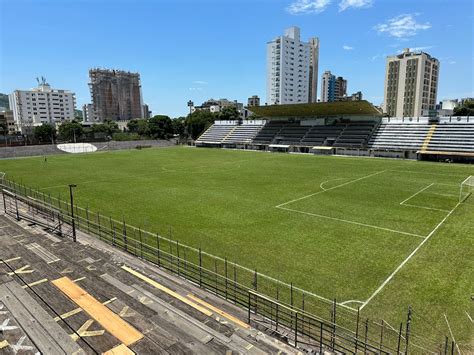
(3, 344)
(167, 290)
(115, 325)
(34, 283)
(12, 259)
(219, 311)
(120, 349)
(79, 310)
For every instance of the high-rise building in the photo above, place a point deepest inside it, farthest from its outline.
(292, 69)
(253, 101)
(411, 84)
(88, 113)
(41, 105)
(333, 88)
(340, 88)
(116, 94)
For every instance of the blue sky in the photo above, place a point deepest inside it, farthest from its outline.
(196, 50)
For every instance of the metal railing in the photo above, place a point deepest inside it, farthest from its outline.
(270, 303)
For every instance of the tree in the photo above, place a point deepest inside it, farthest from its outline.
(46, 133)
(198, 121)
(179, 126)
(229, 113)
(107, 127)
(467, 109)
(70, 131)
(160, 127)
(139, 126)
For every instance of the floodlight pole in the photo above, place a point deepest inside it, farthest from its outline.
(71, 186)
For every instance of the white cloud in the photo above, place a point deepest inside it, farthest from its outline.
(195, 89)
(402, 26)
(374, 57)
(356, 4)
(300, 7)
(200, 82)
(347, 48)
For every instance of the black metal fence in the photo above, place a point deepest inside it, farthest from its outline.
(301, 317)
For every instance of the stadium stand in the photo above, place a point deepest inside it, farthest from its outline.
(399, 136)
(452, 137)
(242, 134)
(356, 134)
(322, 135)
(269, 132)
(215, 134)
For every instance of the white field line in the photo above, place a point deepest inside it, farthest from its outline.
(321, 185)
(351, 222)
(452, 335)
(331, 188)
(408, 257)
(469, 316)
(426, 173)
(416, 194)
(351, 301)
(426, 208)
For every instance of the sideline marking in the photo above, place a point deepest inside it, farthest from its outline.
(417, 193)
(452, 335)
(387, 280)
(331, 188)
(352, 301)
(352, 222)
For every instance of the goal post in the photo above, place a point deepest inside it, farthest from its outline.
(467, 188)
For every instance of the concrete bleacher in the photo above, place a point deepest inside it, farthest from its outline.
(321, 135)
(215, 134)
(452, 137)
(268, 132)
(355, 134)
(242, 133)
(291, 134)
(399, 136)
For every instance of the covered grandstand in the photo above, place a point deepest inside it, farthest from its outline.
(345, 128)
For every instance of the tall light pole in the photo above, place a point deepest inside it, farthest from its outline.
(71, 186)
(190, 105)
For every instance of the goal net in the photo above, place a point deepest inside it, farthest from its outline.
(467, 188)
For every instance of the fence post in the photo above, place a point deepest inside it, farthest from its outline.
(277, 311)
(87, 216)
(321, 338)
(235, 283)
(125, 235)
(446, 346)
(141, 242)
(200, 268)
(399, 337)
(291, 294)
(158, 248)
(357, 329)
(255, 280)
(16, 207)
(381, 334)
(249, 309)
(366, 335)
(296, 328)
(225, 272)
(333, 319)
(177, 255)
(408, 329)
(112, 227)
(215, 271)
(452, 347)
(4, 202)
(98, 225)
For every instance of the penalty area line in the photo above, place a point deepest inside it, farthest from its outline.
(331, 188)
(390, 277)
(352, 222)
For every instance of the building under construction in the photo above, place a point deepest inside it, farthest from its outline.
(116, 94)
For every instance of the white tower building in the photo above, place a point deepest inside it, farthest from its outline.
(411, 84)
(41, 105)
(292, 69)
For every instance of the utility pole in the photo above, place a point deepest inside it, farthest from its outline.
(71, 186)
(190, 105)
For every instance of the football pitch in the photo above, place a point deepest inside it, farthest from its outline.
(375, 234)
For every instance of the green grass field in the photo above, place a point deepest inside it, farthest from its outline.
(374, 233)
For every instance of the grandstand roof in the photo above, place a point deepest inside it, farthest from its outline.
(320, 109)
